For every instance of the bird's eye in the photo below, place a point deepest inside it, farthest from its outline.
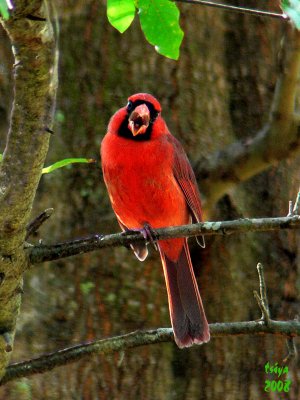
(129, 106)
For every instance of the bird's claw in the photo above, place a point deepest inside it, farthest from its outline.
(148, 234)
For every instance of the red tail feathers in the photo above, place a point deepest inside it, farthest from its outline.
(186, 310)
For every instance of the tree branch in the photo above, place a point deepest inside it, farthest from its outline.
(50, 361)
(42, 253)
(140, 338)
(279, 139)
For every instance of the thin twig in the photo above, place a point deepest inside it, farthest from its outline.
(264, 306)
(262, 299)
(292, 350)
(263, 290)
(242, 10)
(42, 253)
(34, 225)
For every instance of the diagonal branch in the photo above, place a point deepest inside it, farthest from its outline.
(279, 139)
(42, 253)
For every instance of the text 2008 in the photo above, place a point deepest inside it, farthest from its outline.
(277, 385)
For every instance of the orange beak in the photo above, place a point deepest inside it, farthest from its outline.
(139, 120)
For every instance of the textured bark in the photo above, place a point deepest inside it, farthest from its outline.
(24, 154)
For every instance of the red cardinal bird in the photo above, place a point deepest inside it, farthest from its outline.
(151, 184)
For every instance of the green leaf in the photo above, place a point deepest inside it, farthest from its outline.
(120, 13)
(66, 161)
(292, 9)
(4, 9)
(160, 24)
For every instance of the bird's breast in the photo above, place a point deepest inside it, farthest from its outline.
(140, 181)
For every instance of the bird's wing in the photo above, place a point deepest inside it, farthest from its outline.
(186, 179)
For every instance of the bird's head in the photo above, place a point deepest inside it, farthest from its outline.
(138, 117)
(142, 109)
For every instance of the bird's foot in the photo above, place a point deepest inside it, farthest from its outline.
(148, 234)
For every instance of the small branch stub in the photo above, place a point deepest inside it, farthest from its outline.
(297, 204)
(291, 211)
(8, 340)
(34, 225)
